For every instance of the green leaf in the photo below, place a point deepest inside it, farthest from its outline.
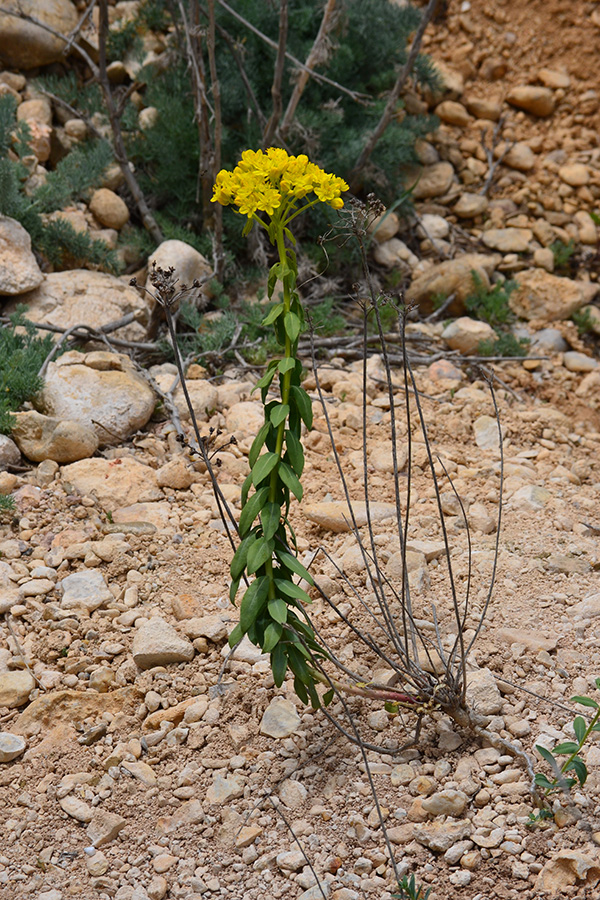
(270, 517)
(585, 701)
(290, 480)
(292, 326)
(292, 239)
(580, 728)
(596, 727)
(273, 314)
(278, 610)
(545, 754)
(245, 489)
(564, 749)
(267, 378)
(248, 227)
(542, 781)
(290, 562)
(252, 509)
(279, 664)
(263, 467)
(298, 665)
(272, 634)
(274, 274)
(303, 404)
(578, 766)
(236, 635)
(328, 697)
(260, 552)
(257, 443)
(300, 689)
(238, 563)
(291, 589)
(233, 589)
(295, 452)
(597, 682)
(253, 601)
(287, 363)
(279, 414)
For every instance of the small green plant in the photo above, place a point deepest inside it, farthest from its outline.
(491, 304)
(269, 189)
(584, 321)
(409, 890)
(505, 344)
(562, 254)
(21, 357)
(562, 780)
(7, 503)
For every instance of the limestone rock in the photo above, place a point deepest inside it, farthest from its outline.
(483, 695)
(588, 608)
(432, 226)
(24, 45)
(440, 836)
(280, 719)
(156, 643)
(80, 296)
(188, 263)
(453, 276)
(507, 240)
(539, 101)
(466, 334)
(445, 803)
(520, 157)
(115, 482)
(486, 433)
(15, 688)
(104, 827)
(9, 453)
(554, 79)
(567, 868)
(176, 474)
(109, 209)
(152, 515)
(335, 516)
(87, 590)
(588, 232)
(203, 396)
(224, 789)
(77, 808)
(394, 253)
(69, 706)
(106, 395)
(19, 271)
(470, 205)
(42, 437)
(431, 181)
(246, 417)
(530, 496)
(485, 108)
(11, 746)
(384, 227)
(540, 295)
(214, 628)
(574, 174)
(453, 113)
(579, 362)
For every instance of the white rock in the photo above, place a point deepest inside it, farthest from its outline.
(446, 803)
(486, 432)
(280, 719)
(104, 827)
(466, 334)
(483, 695)
(224, 789)
(77, 808)
(292, 793)
(86, 589)
(15, 688)
(188, 263)
(19, 271)
(156, 643)
(11, 746)
(114, 482)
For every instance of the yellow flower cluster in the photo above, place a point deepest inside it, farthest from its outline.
(261, 182)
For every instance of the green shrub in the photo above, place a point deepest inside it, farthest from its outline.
(562, 254)
(505, 344)
(21, 356)
(491, 304)
(72, 179)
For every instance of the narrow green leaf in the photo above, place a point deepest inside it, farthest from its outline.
(253, 601)
(272, 634)
(268, 377)
(257, 443)
(328, 697)
(273, 314)
(303, 404)
(541, 781)
(274, 275)
(295, 452)
(258, 554)
(270, 517)
(245, 489)
(263, 467)
(279, 664)
(289, 236)
(597, 682)
(596, 727)
(278, 610)
(279, 414)
(298, 665)
(248, 227)
(293, 564)
(300, 689)
(252, 509)
(545, 754)
(290, 480)
(238, 563)
(236, 635)
(578, 766)
(291, 589)
(287, 363)
(233, 589)
(585, 701)
(292, 326)
(566, 748)
(580, 728)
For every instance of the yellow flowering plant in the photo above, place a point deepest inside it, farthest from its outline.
(271, 189)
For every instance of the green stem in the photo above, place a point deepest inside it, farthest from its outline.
(564, 767)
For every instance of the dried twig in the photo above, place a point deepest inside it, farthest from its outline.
(489, 153)
(273, 122)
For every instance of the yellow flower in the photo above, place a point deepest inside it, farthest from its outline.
(263, 182)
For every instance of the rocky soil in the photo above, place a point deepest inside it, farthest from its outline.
(135, 763)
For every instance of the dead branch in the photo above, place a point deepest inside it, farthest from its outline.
(273, 122)
(313, 59)
(489, 153)
(390, 107)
